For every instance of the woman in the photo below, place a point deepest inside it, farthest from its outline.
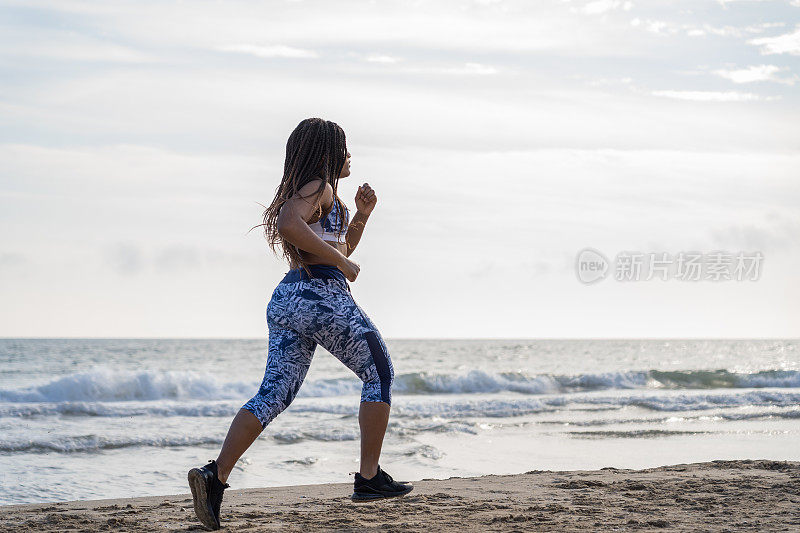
(312, 305)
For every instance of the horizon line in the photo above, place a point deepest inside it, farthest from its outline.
(423, 338)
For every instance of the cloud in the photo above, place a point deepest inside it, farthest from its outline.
(788, 43)
(481, 27)
(750, 74)
(130, 258)
(663, 27)
(598, 82)
(470, 69)
(11, 259)
(602, 6)
(68, 46)
(269, 51)
(185, 258)
(733, 31)
(709, 96)
(177, 257)
(756, 73)
(126, 170)
(465, 69)
(659, 27)
(779, 234)
(380, 58)
(759, 28)
(125, 258)
(725, 3)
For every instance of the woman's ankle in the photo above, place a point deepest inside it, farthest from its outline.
(367, 473)
(223, 471)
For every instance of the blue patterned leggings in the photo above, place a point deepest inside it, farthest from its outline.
(304, 312)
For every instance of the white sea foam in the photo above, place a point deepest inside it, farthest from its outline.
(503, 406)
(95, 443)
(442, 406)
(105, 385)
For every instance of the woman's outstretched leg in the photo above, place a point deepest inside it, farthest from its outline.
(290, 355)
(373, 418)
(244, 430)
(288, 361)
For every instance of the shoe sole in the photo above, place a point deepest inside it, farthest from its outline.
(202, 509)
(369, 497)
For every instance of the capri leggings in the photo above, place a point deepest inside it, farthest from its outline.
(304, 312)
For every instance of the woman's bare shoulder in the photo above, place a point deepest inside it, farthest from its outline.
(308, 193)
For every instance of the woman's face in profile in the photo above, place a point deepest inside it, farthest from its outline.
(346, 167)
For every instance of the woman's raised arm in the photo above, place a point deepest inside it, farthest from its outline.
(293, 226)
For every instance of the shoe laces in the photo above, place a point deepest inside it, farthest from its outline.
(380, 472)
(386, 476)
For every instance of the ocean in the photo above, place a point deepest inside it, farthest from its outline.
(104, 418)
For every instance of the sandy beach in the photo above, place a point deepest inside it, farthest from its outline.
(757, 495)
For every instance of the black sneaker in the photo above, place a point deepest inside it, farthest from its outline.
(377, 488)
(207, 492)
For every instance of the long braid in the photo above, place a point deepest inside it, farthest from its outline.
(312, 142)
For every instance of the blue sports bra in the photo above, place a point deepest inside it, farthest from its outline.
(327, 226)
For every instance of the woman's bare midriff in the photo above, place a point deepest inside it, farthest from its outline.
(313, 259)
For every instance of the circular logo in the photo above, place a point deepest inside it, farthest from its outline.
(590, 266)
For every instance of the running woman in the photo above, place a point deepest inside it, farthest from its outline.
(312, 305)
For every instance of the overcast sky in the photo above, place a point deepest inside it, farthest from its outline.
(502, 137)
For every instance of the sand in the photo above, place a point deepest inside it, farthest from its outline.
(755, 495)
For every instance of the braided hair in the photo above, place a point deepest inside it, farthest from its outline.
(316, 149)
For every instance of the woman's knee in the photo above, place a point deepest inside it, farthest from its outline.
(267, 406)
(287, 363)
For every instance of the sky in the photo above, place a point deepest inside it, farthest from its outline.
(138, 140)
